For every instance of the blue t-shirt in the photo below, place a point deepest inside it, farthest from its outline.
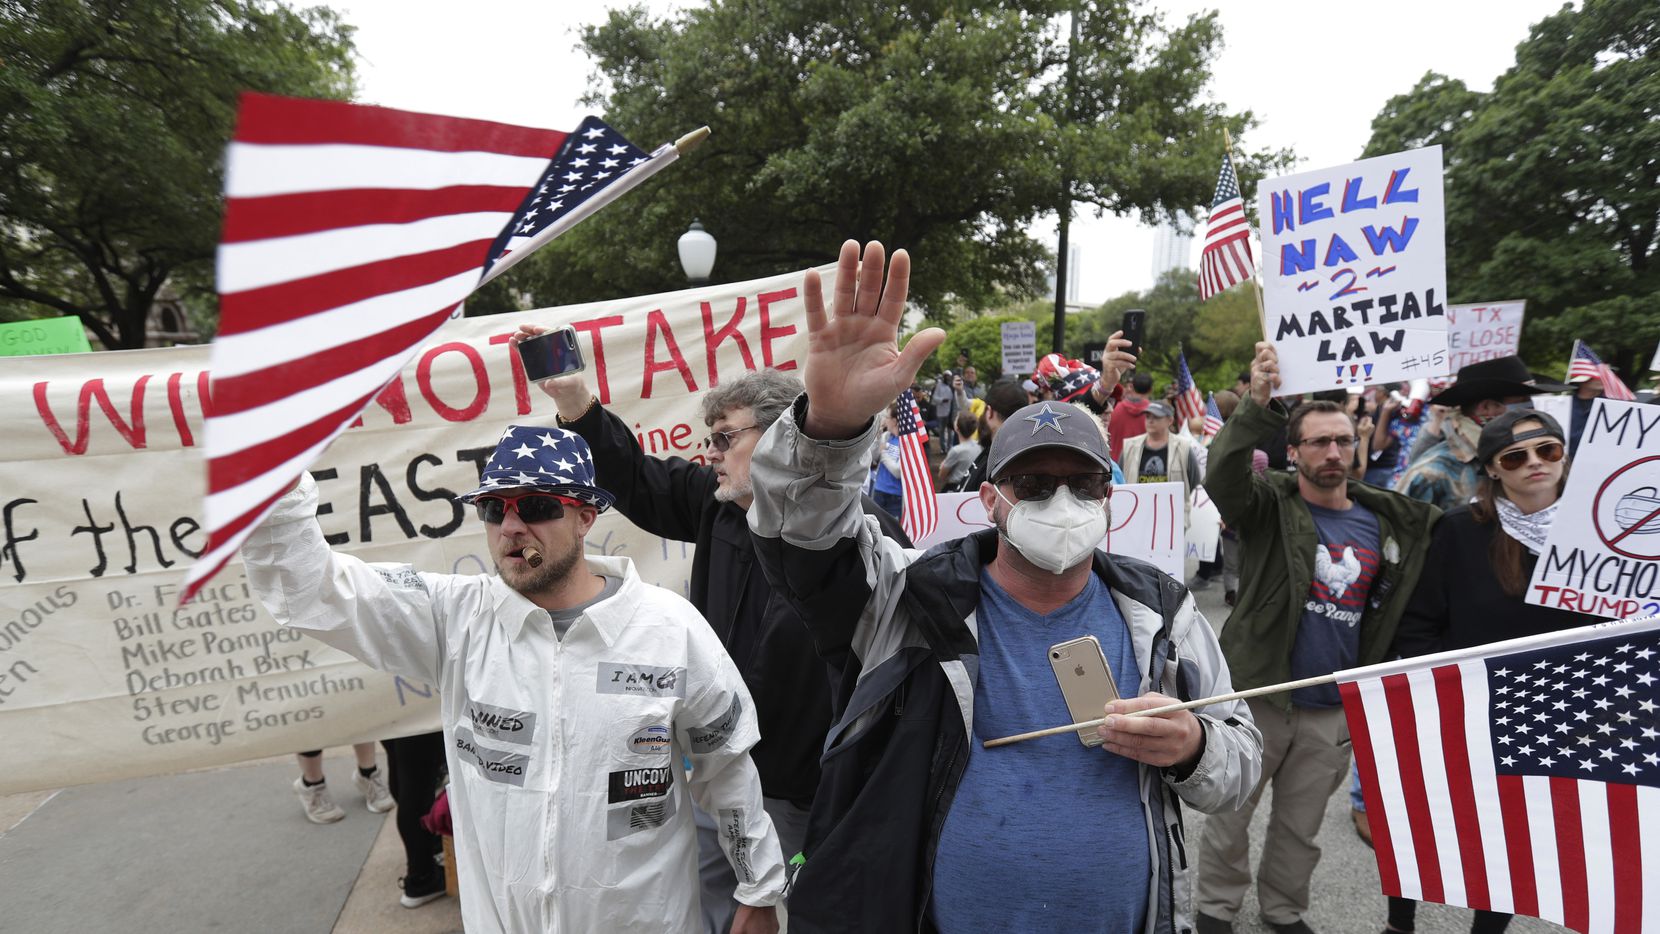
(886, 481)
(1045, 833)
(1345, 562)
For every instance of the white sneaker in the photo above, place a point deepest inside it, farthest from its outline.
(375, 794)
(319, 807)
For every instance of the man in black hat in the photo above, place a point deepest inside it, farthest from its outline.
(1445, 473)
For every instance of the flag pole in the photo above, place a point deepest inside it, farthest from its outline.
(1608, 629)
(1256, 268)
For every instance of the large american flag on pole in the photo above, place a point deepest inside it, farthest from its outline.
(921, 512)
(1189, 403)
(1225, 259)
(1585, 364)
(351, 233)
(1519, 777)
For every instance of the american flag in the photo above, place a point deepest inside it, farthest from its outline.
(1585, 364)
(351, 233)
(921, 513)
(1213, 415)
(1226, 258)
(1519, 777)
(1189, 404)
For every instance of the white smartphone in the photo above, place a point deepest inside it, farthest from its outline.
(1085, 680)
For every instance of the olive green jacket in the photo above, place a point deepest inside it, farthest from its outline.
(1277, 541)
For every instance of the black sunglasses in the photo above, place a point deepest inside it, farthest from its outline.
(531, 507)
(1040, 486)
(1550, 452)
(722, 440)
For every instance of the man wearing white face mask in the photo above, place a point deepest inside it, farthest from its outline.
(916, 825)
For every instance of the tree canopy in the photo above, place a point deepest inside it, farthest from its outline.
(113, 119)
(1553, 180)
(932, 125)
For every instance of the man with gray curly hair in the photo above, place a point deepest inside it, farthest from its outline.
(705, 500)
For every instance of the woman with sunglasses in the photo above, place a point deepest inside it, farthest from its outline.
(1481, 557)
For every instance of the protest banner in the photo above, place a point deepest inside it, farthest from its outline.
(43, 336)
(1602, 556)
(1483, 332)
(1145, 522)
(103, 676)
(1019, 347)
(1354, 272)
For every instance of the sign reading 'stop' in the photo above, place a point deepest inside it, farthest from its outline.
(1354, 272)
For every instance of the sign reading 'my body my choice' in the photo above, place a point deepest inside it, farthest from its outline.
(1354, 272)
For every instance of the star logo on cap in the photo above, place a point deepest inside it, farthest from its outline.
(1048, 418)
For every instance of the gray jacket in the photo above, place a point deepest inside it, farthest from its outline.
(899, 629)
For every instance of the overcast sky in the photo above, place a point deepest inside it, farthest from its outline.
(1314, 72)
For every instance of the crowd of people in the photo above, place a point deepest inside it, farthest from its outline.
(814, 708)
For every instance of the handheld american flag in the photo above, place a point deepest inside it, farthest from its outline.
(1213, 415)
(1189, 404)
(351, 233)
(1519, 777)
(1585, 364)
(921, 512)
(1226, 257)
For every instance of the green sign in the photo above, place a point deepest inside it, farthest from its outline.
(43, 336)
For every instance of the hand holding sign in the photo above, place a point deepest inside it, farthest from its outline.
(1265, 373)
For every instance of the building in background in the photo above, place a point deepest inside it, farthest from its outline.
(1173, 246)
(1074, 270)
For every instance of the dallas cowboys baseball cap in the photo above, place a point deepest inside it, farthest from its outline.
(551, 460)
(1047, 425)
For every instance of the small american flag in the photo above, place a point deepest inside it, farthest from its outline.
(1213, 415)
(1226, 258)
(1189, 404)
(351, 233)
(1585, 364)
(1519, 777)
(921, 512)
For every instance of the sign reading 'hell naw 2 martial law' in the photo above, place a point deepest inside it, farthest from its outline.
(1355, 272)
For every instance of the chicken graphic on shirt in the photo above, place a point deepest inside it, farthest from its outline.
(1336, 575)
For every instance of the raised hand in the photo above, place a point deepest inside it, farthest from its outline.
(855, 368)
(1265, 373)
(1116, 360)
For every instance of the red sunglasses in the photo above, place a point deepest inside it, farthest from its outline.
(531, 507)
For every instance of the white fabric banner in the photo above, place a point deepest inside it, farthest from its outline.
(103, 677)
(1145, 523)
(1603, 553)
(1354, 272)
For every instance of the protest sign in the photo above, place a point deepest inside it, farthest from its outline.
(1019, 347)
(1354, 272)
(1603, 553)
(1204, 527)
(103, 676)
(1145, 523)
(43, 336)
(1483, 332)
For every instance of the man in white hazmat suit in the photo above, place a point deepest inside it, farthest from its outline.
(572, 693)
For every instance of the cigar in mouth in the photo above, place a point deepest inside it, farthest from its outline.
(533, 557)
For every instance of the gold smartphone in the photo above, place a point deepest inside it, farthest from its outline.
(1085, 681)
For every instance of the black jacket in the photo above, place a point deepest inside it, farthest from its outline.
(675, 498)
(1458, 603)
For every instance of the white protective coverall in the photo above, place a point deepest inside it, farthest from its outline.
(567, 791)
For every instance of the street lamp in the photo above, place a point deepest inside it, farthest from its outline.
(697, 253)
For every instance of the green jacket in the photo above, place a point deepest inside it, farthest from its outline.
(1277, 541)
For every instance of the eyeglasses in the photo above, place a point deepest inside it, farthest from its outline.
(1343, 442)
(1038, 487)
(1550, 452)
(722, 440)
(531, 507)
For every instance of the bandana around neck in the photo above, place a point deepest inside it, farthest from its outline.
(1530, 529)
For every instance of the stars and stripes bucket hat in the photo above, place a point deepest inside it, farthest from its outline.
(552, 460)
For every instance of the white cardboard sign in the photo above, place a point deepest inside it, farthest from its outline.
(1603, 553)
(1354, 272)
(1019, 347)
(1483, 332)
